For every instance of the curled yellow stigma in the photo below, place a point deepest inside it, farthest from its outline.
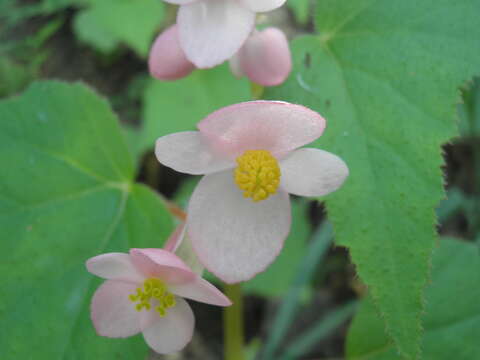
(257, 174)
(153, 289)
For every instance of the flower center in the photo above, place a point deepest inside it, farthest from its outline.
(153, 289)
(257, 174)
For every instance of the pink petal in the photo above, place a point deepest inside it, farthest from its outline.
(265, 58)
(167, 61)
(161, 264)
(262, 5)
(175, 239)
(263, 125)
(113, 314)
(234, 237)
(211, 31)
(312, 172)
(114, 266)
(188, 152)
(171, 332)
(202, 291)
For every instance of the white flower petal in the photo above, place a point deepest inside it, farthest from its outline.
(312, 172)
(234, 237)
(188, 152)
(112, 312)
(211, 31)
(114, 266)
(262, 5)
(170, 333)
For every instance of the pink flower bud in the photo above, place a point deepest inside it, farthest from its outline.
(167, 61)
(265, 57)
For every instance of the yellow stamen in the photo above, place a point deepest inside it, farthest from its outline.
(156, 290)
(257, 174)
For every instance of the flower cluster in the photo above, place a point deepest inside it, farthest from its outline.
(208, 32)
(252, 159)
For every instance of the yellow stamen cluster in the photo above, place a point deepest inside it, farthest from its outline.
(153, 289)
(257, 174)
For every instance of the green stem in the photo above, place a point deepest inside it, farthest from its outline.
(233, 324)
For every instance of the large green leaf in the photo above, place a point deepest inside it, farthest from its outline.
(385, 74)
(452, 313)
(178, 106)
(66, 194)
(107, 23)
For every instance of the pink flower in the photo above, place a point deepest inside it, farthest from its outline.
(239, 214)
(264, 58)
(211, 31)
(144, 292)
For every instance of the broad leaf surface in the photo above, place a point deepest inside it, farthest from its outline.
(170, 107)
(386, 76)
(107, 23)
(66, 194)
(451, 320)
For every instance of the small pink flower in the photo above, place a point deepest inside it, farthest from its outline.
(211, 31)
(239, 214)
(144, 292)
(264, 58)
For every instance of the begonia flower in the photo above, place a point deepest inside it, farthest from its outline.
(239, 214)
(144, 292)
(264, 58)
(211, 31)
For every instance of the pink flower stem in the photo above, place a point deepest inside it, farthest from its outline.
(233, 338)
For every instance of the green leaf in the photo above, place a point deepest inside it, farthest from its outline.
(276, 279)
(469, 110)
(66, 194)
(451, 319)
(386, 76)
(107, 23)
(178, 106)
